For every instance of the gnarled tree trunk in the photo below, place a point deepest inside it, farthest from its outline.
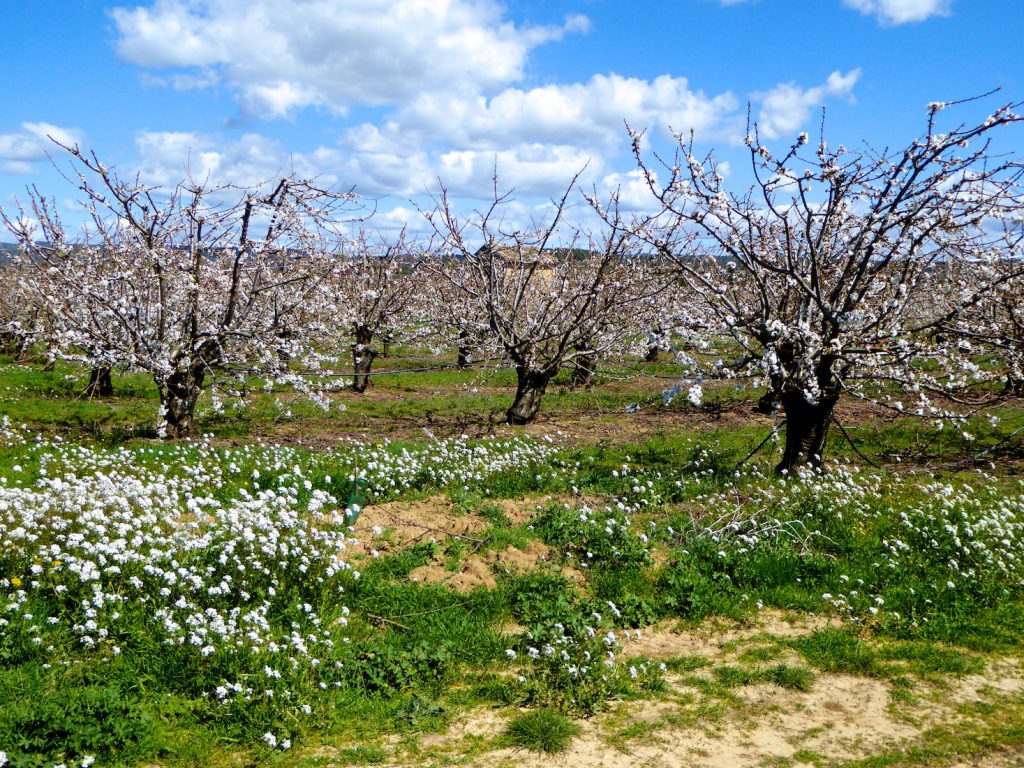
(464, 351)
(768, 403)
(100, 384)
(362, 358)
(806, 430)
(9, 342)
(23, 350)
(179, 393)
(654, 350)
(530, 387)
(585, 365)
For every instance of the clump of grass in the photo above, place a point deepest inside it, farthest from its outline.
(788, 676)
(928, 658)
(686, 663)
(735, 677)
(542, 730)
(783, 675)
(835, 650)
(364, 755)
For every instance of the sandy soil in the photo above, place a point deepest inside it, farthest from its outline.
(387, 528)
(843, 717)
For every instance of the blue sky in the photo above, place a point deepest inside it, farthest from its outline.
(390, 95)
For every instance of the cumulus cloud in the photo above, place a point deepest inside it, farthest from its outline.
(786, 108)
(283, 55)
(22, 148)
(537, 138)
(894, 12)
(589, 114)
(165, 158)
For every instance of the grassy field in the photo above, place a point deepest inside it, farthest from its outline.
(404, 580)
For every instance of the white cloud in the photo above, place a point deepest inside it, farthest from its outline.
(896, 12)
(538, 138)
(282, 55)
(632, 189)
(166, 157)
(20, 149)
(786, 108)
(588, 114)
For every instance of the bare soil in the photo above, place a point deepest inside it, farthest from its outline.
(843, 717)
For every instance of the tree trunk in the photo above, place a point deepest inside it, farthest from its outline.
(585, 365)
(463, 350)
(806, 430)
(530, 387)
(1014, 387)
(9, 340)
(362, 358)
(768, 403)
(100, 384)
(654, 340)
(284, 355)
(179, 393)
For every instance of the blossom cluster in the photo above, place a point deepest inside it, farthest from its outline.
(230, 563)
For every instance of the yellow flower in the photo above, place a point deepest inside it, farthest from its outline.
(15, 581)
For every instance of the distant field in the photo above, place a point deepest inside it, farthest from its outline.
(408, 581)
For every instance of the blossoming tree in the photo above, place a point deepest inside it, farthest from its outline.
(819, 273)
(375, 284)
(552, 295)
(176, 282)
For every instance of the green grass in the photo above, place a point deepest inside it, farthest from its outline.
(783, 675)
(541, 731)
(418, 655)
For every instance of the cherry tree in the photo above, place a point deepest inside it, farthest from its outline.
(375, 286)
(182, 283)
(550, 295)
(817, 272)
(451, 315)
(992, 328)
(22, 320)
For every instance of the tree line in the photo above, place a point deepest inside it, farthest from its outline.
(892, 275)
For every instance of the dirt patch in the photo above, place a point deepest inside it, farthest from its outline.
(522, 511)
(478, 570)
(473, 574)
(711, 638)
(386, 528)
(486, 723)
(842, 718)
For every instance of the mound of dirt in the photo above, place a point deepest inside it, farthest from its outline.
(479, 570)
(399, 524)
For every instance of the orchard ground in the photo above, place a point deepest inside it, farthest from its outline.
(408, 581)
